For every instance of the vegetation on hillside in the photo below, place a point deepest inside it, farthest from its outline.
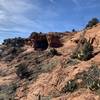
(92, 23)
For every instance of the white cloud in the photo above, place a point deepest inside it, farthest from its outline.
(14, 16)
(15, 6)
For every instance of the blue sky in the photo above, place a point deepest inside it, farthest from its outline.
(21, 17)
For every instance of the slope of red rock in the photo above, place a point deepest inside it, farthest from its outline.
(45, 74)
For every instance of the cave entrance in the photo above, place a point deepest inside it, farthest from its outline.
(41, 44)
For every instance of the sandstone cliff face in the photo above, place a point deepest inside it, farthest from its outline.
(41, 41)
(54, 40)
(47, 76)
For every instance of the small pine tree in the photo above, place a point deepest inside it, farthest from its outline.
(92, 22)
(73, 30)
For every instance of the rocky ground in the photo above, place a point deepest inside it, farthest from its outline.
(26, 74)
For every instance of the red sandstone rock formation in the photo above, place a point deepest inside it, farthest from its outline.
(39, 41)
(54, 40)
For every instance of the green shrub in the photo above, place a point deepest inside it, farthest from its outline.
(7, 92)
(22, 71)
(84, 50)
(69, 62)
(95, 85)
(71, 86)
(73, 30)
(92, 22)
(91, 78)
(14, 42)
(53, 52)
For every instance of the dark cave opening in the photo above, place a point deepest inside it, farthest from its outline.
(41, 44)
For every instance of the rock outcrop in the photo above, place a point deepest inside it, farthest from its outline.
(54, 40)
(39, 41)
